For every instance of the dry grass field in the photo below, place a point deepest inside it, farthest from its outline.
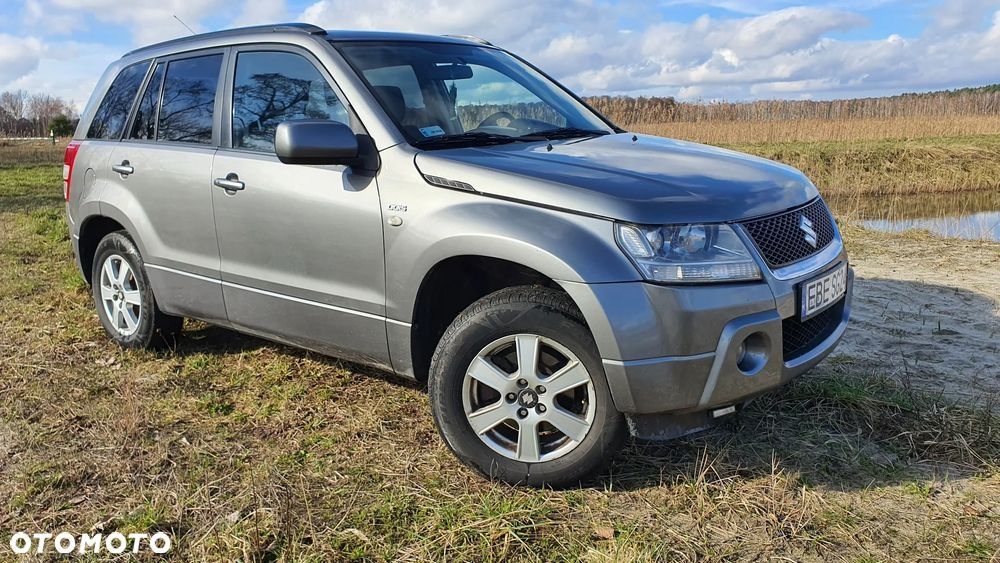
(952, 104)
(822, 130)
(915, 143)
(891, 166)
(244, 449)
(26, 154)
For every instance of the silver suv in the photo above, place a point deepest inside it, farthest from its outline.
(440, 208)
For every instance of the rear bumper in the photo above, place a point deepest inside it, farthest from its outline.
(74, 237)
(701, 329)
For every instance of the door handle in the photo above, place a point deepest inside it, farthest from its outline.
(124, 168)
(231, 183)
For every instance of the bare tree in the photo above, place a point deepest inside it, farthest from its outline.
(42, 108)
(6, 123)
(23, 114)
(14, 103)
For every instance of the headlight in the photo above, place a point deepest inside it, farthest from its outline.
(687, 253)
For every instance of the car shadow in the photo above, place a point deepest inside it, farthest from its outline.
(907, 396)
(878, 411)
(209, 339)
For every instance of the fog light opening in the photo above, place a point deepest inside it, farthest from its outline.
(751, 357)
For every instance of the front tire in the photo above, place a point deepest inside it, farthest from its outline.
(124, 300)
(518, 390)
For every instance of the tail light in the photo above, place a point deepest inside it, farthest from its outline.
(68, 160)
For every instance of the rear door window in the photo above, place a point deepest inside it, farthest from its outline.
(275, 86)
(144, 125)
(188, 104)
(111, 115)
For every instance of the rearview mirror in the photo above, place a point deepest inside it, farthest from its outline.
(315, 141)
(449, 72)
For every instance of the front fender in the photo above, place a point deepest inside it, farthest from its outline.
(562, 246)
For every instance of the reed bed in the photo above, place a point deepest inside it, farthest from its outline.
(974, 111)
(965, 102)
(812, 130)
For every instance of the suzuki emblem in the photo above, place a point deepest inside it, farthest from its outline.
(806, 226)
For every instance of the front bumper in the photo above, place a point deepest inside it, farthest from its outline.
(675, 349)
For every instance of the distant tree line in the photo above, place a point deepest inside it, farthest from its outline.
(35, 115)
(983, 100)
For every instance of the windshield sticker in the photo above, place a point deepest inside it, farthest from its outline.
(432, 131)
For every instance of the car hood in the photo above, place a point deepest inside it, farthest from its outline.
(645, 180)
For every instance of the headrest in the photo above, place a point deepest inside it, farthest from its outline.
(393, 100)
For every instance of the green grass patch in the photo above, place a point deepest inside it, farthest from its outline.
(899, 166)
(979, 549)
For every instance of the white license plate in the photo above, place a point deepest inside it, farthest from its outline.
(820, 293)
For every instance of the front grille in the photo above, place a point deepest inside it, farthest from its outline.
(781, 240)
(798, 337)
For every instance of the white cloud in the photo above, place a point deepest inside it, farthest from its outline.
(772, 48)
(55, 22)
(149, 21)
(66, 69)
(256, 12)
(531, 23)
(580, 43)
(19, 56)
(778, 50)
(784, 30)
(959, 16)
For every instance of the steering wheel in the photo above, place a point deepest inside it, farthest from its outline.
(498, 119)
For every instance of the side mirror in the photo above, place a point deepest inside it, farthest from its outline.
(316, 141)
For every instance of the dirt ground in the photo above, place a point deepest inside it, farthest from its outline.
(927, 311)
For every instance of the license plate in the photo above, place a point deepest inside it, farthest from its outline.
(821, 293)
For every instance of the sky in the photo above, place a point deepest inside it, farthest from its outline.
(691, 49)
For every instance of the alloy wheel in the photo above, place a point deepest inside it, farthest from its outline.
(120, 295)
(529, 398)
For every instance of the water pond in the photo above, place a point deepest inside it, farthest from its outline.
(969, 215)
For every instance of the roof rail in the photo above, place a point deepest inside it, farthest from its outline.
(309, 28)
(472, 38)
(275, 27)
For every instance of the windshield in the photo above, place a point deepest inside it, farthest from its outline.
(441, 94)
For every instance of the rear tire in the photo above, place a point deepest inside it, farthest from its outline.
(518, 390)
(123, 298)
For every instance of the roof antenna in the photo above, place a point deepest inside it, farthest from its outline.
(184, 24)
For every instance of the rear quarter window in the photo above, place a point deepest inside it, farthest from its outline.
(144, 124)
(111, 115)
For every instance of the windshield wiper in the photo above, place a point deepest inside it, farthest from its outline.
(470, 139)
(479, 138)
(565, 133)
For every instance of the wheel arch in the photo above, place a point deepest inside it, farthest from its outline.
(453, 284)
(481, 246)
(92, 230)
